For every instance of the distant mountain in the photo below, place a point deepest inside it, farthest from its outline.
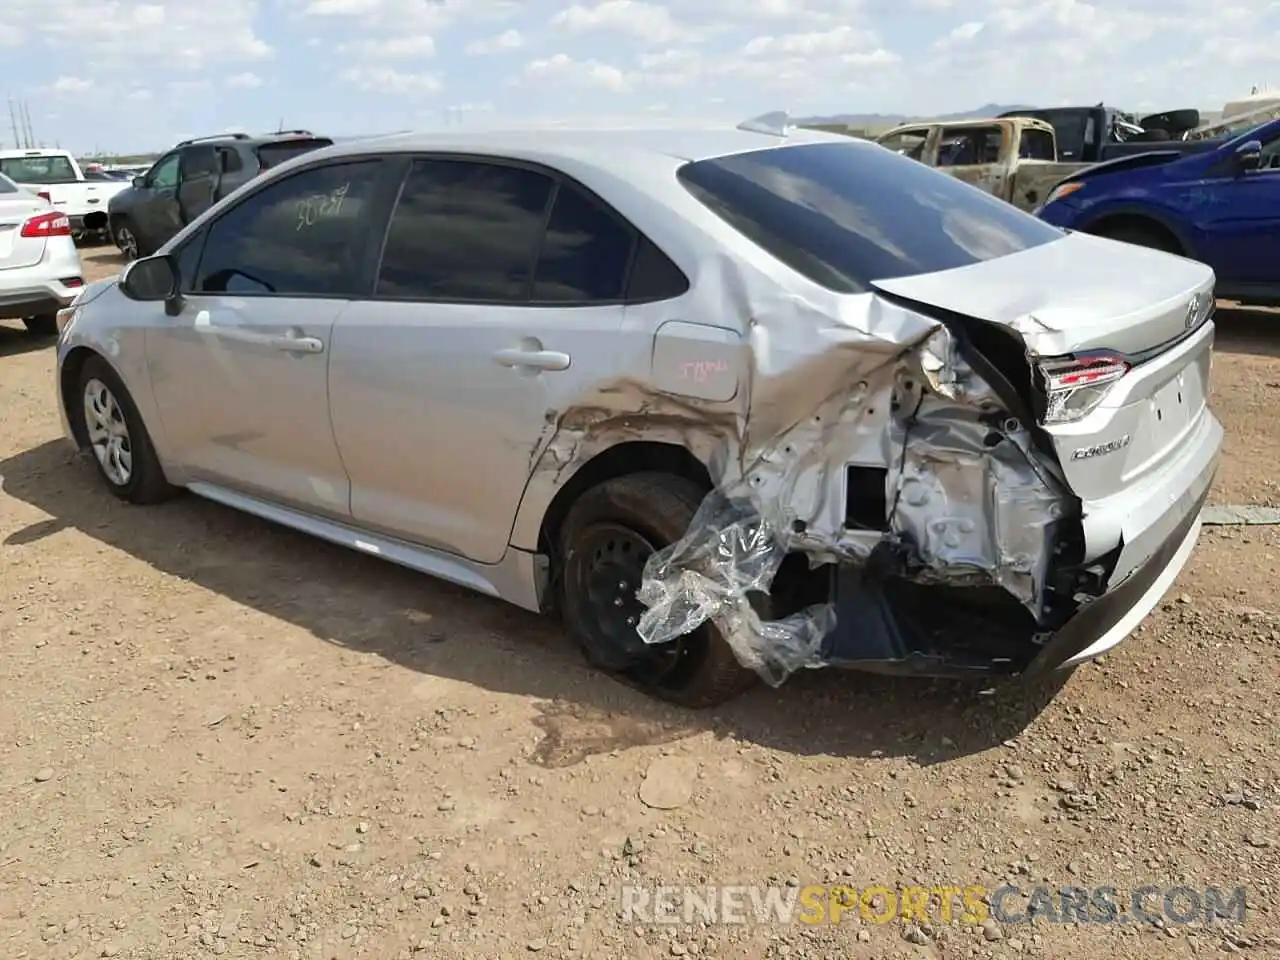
(892, 119)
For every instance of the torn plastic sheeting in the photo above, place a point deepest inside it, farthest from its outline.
(730, 552)
(1239, 515)
(969, 500)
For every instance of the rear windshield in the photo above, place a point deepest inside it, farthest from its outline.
(38, 169)
(274, 154)
(845, 215)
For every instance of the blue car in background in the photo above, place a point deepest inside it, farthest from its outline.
(1220, 206)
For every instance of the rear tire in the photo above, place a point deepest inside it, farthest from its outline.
(1141, 236)
(121, 445)
(608, 535)
(44, 325)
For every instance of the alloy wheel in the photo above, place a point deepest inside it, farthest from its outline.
(108, 432)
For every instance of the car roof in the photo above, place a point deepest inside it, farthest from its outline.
(605, 148)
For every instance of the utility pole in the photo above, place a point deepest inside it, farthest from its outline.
(31, 134)
(13, 122)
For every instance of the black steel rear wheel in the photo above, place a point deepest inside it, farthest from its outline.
(606, 540)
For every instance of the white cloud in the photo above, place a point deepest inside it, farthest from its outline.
(408, 47)
(644, 21)
(185, 35)
(244, 81)
(70, 85)
(390, 81)
(502, 43)
(564, 68)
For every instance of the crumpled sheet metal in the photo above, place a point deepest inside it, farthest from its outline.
(974, 512)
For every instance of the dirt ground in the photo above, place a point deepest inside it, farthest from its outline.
(221, 738)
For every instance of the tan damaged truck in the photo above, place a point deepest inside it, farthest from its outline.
(1014, 158)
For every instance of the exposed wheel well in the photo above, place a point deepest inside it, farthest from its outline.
(67, 385)
(618, 461)
(1137, 223)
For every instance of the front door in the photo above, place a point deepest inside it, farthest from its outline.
(156, 216)
(1241, 224)
(446, 386)
(241, 374)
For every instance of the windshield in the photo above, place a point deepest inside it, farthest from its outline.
(39, 169)
(847, 214)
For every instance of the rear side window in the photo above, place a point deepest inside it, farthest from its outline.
(274, 154)
(7, 185)
(585, 252)
(465, 230)
(847, 214)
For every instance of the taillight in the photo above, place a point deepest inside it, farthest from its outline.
(1074, 386)
(47, 225)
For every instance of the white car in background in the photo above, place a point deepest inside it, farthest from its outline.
(39, 264)
(56, 176)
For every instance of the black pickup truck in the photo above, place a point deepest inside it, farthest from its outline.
(1098, 133)
(191, 178)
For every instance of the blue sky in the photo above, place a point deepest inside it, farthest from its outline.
(126, 77)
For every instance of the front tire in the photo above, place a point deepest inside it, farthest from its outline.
(608, 535)
(127, 240)
(118, 438)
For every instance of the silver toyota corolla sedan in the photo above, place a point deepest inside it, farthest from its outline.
(729, 402)
(39, 264)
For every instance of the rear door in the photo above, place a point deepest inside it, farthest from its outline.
(155, 213)
(198, 175)
(17, 206)
(445, 384)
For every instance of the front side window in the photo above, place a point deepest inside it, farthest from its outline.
(164, 173)
(845, 215)
(38, 169)
(300, 236)
(464, 230)
(908, 143)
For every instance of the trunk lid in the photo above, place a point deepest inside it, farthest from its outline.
(1078, 293)
(1134, 312)
(16, 250)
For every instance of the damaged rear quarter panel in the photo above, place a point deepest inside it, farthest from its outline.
(778, 393)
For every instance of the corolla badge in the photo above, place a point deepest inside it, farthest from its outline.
(1101, 449)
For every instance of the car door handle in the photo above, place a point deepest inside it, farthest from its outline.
(298, 344)
(538, 359)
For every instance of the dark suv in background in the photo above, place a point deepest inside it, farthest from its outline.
(192, 177)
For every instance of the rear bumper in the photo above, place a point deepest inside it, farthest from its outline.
(876, 633)
(35, 301)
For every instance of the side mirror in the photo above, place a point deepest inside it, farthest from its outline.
(139, 182)
(150, 279)
(1248, 156)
